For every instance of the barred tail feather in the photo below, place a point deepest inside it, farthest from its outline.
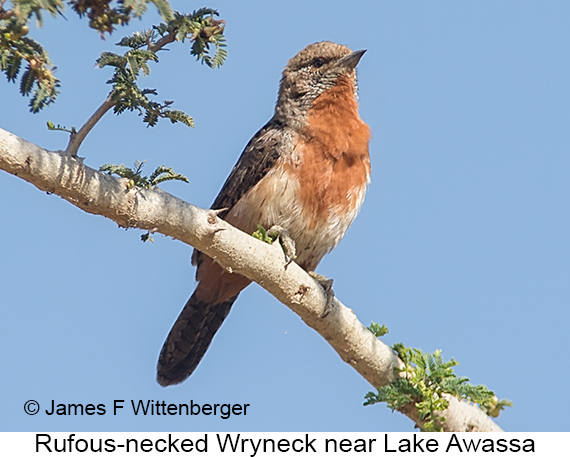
(190, 338)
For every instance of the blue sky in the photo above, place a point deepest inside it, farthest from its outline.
(462, 243)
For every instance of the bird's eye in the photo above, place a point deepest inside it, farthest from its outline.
(318, 63)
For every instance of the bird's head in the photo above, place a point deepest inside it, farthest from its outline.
(318, 67)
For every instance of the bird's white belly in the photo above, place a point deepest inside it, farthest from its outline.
(275, 200)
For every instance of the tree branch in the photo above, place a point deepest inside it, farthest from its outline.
(99, 193)
(162, 42)
(77, 138)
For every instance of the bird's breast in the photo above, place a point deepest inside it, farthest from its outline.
(317, 186)
(312, 194)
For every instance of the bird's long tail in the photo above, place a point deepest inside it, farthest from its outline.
(190, 338)
(199, 321)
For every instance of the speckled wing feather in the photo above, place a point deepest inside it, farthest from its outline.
(256, 160)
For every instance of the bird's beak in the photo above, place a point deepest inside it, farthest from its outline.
(351, 61)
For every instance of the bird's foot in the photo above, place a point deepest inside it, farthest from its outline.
(326, 284)
(287, 244)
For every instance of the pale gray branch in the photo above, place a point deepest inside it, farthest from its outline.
(99, 193)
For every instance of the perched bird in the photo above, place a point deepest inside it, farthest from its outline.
(305, 171)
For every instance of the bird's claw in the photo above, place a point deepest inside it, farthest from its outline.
(326, 284)
(287, 243)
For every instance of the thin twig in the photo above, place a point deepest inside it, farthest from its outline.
(78, 137)
(167, 39)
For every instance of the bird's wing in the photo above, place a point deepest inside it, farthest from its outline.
(256, 160)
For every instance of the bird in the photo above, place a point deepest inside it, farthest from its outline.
(305, 171)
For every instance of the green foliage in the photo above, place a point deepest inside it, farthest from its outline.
(60, 128)
(261, 234)
(136, 179)
(377, 329)
(200, 27)
(162, 174)
(494, 407)
(103, 15)
(203, 30)
(424, 380)
(147, 237)
(126, 94)
(39, 82)
(16, 48)
(24, 10)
